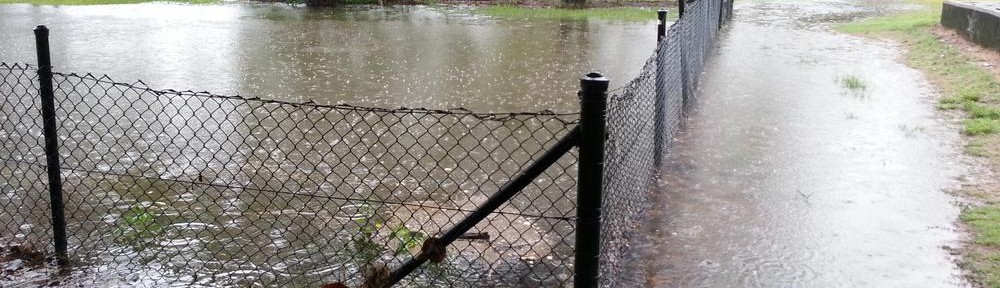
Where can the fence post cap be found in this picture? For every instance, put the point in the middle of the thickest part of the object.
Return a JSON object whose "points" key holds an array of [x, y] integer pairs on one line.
{"points": [[661, 14], [41, 28], [594, 81]]}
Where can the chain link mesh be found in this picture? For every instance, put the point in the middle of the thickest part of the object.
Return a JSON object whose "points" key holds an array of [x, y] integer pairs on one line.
{"points": [[25, 219], [643, 117], [177, 187]]}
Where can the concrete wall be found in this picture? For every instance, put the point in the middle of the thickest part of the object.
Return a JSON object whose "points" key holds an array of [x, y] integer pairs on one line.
{"points": [[979, 22]]}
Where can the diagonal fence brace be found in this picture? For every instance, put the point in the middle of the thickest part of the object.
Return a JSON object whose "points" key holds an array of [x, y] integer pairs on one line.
{"points": [[434, 248]]}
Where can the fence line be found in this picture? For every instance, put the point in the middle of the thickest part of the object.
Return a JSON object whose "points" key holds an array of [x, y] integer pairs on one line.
{"points": [[165, 187]]}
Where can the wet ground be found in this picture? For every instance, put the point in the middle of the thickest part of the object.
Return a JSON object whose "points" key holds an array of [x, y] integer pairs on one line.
{"points": [[814, 159]]}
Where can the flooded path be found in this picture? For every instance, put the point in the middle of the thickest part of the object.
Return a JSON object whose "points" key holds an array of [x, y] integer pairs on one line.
{"points": [[787, 177]]}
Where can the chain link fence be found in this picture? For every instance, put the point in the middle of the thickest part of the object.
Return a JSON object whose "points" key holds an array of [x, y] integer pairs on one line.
{"points": [[24, 200], [643, 117], [170, 187], [183, 188]]}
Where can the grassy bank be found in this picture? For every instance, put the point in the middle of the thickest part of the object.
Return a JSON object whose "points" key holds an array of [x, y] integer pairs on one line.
{"points": [[99, 2], [965, 86], [546, 13]]}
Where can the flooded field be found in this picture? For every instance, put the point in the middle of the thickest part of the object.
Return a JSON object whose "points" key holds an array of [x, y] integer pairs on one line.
{"points": [[814, 159], [413, 56]]}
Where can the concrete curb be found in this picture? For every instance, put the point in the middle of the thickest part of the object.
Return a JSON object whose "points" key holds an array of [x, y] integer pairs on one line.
{"points": [[977, 21]]}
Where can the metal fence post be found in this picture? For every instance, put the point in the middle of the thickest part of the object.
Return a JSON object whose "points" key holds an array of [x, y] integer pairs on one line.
{"points": [[51, 142], [680, 8], [661, 29], [685, 31], [590, 184], [660, 112], [722, 13]]}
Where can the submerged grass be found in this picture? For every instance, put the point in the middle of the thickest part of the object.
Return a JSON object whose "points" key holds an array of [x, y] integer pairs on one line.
{"points": [[964, 86], [617, 13], [853, 83], [960, 80], [99, 2]]}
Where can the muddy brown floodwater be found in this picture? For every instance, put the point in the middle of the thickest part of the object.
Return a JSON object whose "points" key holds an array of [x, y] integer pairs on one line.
{"points": [[785, 177]]}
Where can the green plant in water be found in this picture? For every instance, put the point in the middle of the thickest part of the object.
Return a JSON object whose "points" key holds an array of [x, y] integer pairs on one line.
{"points": [[364, 240], [408, 239], [369, 225], [137, 225], [852, 82]]}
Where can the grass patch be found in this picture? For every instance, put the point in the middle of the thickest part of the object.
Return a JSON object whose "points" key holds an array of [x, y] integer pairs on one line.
{"points": [[852, 82], [979, 111], [99, 2], [892, 23], [981, 126], [989, 264], [985, 221], [985, 224], [618, 13]]}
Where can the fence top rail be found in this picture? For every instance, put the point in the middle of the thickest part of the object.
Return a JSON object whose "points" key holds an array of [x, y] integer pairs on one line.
{"points": [[16, 66], [458, 111]]}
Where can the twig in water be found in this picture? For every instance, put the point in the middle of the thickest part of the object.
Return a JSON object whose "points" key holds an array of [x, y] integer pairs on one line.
{"points": [[804, 196]]}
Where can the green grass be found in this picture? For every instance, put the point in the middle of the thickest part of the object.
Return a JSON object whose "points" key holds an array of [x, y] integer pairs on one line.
{"points": [[853, 83], [899, 22], [985, 224], [985, 221], [99, 2], [980, 126], [979, 111], [988, 265], [619, 13]]}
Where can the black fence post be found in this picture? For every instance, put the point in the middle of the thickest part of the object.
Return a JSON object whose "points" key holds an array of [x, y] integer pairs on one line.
{"points": [[680, 8], [590, 184], [661, 95], [684, 42], [51, 142], [722, 13], [661, 29], [729, 7]]}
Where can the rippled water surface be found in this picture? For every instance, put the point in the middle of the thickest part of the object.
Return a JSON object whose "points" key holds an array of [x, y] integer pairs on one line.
{"points": [[412, 56], [787, 178]]}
